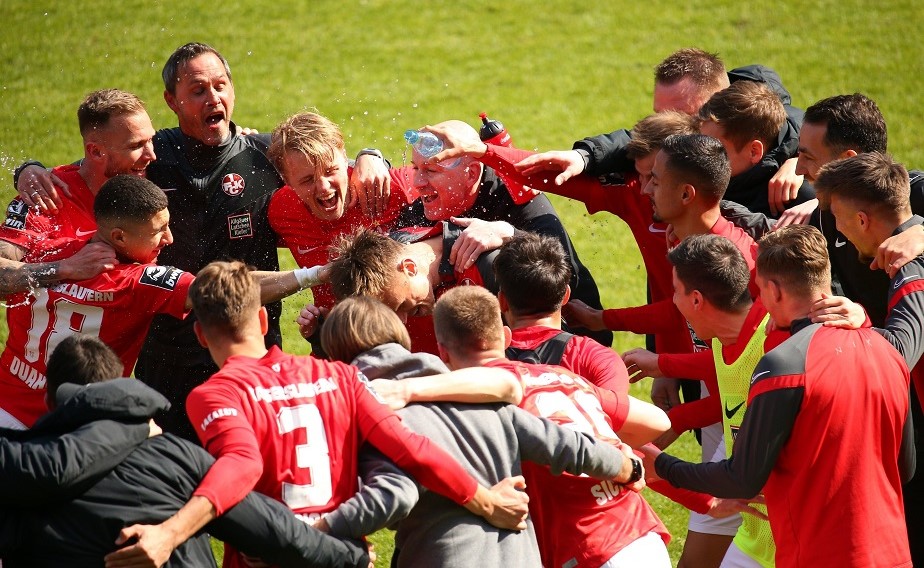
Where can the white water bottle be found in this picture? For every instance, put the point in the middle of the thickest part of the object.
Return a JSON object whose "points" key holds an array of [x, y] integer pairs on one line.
{"points": [[427, 144]]}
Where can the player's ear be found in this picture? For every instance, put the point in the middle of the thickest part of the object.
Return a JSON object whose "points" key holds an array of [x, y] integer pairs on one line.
{"points": [[408, 266], [502, 300], [200, 336], [756, 151], [170, 99], [93, 150], [846, 154], [508, 337], [117, 235], [264, 320], [688, 194], [567, 295], [863, 219], [443, 352], [697, 298]]}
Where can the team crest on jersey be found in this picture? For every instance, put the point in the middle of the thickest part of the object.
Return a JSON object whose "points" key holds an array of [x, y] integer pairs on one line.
{"points": [[16, 214], [240, 226], [164, 277], [233, 184]]}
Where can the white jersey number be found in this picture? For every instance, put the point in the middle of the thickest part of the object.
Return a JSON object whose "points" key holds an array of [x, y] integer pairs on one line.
{"points": [[66, 319], [582, 409], [312, 455]]}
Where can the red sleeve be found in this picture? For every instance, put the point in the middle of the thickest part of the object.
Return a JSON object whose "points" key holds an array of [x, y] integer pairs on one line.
{"points": [[696, 414], [501, 160], [692, 500], [658, 317], [699, 365], [231, 439], [614, 405], [163, 289], [430, 465], [582, 188], [597, 363]]}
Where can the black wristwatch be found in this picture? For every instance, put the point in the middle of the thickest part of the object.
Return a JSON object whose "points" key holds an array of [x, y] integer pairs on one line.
{"points": [[636, 471], [370, 152]]}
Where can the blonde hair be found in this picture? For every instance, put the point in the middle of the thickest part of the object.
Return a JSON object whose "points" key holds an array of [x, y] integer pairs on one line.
{"points": [[225, 297], [313, 136], [365, 263], [468, 318], [358, 324]]}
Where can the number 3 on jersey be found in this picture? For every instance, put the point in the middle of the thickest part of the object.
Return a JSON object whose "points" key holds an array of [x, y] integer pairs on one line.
{"points": [[313, 456]]}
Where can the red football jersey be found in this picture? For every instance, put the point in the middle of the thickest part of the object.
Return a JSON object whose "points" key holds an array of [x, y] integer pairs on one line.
{"points": [[117, 306], [30, 228], [578, 518], [309, 238], [296, 423]]}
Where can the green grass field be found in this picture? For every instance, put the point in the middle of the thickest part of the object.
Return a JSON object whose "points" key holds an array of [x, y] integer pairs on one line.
{"points": [[552, 71]]}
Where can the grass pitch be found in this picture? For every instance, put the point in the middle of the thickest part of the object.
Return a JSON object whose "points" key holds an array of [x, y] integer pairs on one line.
{"points": [[551, 71]]}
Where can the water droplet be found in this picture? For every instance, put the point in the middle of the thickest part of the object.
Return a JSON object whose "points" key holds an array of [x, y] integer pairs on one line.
{"points": [[414, 105]]}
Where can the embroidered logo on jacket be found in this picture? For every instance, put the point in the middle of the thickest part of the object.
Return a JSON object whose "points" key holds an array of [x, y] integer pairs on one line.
{"points": [[240, 226], [233, 184]]}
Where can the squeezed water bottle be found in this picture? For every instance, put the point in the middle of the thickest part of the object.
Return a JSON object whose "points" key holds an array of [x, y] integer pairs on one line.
{"points": [[427, 144]]}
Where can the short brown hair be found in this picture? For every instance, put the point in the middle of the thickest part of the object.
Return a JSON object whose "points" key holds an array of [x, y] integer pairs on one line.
{"points": [[364, 264], [533, 273], [309, 134], [852, 122], [649, 133], [225, 297], [747, 110], [358, 324], [714, 266], [796, 256], [704, 69], [872, 179], [467, 319], [99, 106]]}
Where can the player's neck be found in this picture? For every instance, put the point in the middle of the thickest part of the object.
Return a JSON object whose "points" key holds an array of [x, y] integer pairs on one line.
{"points": [[887, 227], [251, 347], [798, 307], [552, 320], [93, 179], [729, 325], [696, 223], [475, 359]]}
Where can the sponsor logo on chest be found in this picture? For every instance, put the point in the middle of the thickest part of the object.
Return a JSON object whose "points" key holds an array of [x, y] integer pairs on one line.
{"points": [[240, 226], [233, 184]]}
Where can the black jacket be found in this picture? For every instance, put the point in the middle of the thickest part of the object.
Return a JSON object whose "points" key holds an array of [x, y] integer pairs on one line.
{"points": [[607, 152], [148, 486]]}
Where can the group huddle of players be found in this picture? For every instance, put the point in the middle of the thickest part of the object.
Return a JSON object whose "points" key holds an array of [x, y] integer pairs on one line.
{"points": [[783, 256]]}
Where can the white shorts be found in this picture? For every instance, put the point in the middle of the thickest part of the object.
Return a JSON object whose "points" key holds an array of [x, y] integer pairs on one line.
{"points": [[648, 551], [735, 558], [10, 422], [713, 451]]}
